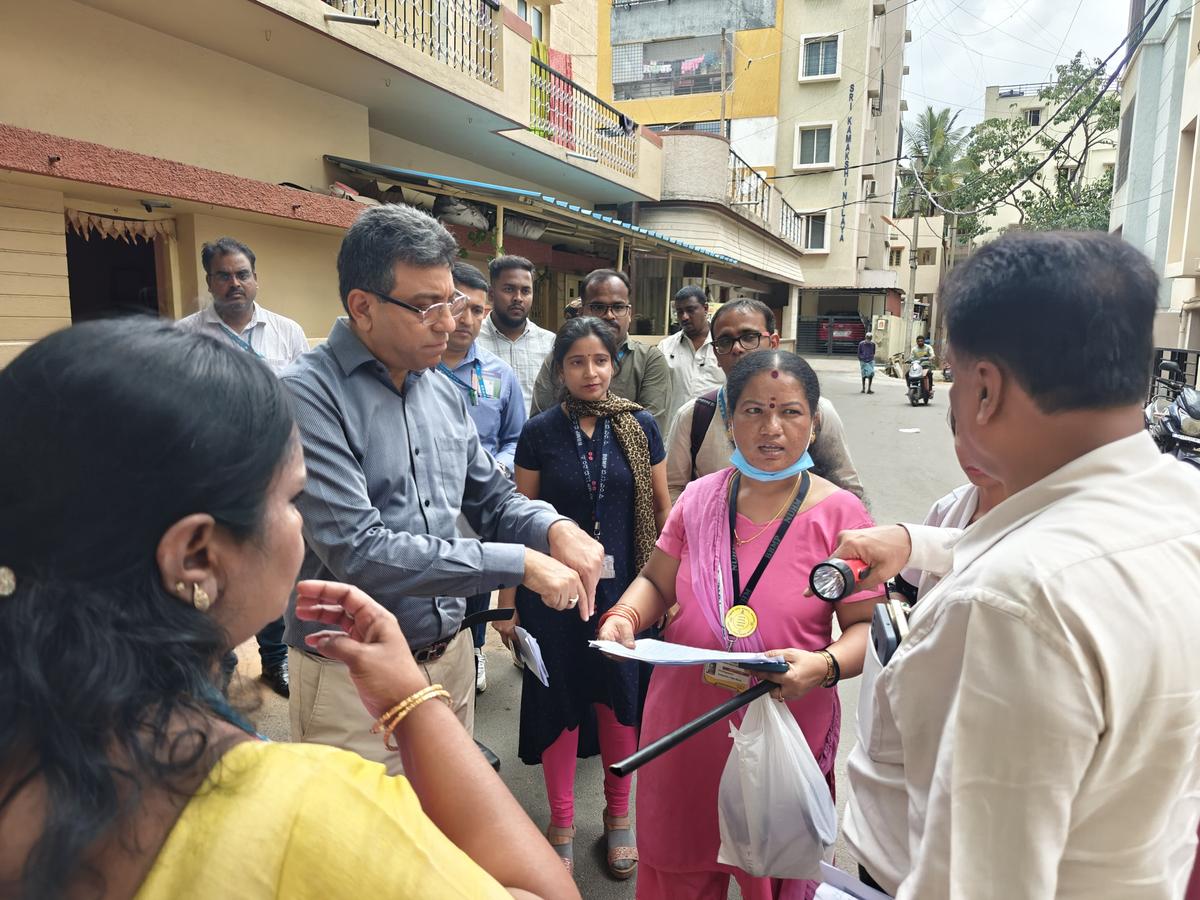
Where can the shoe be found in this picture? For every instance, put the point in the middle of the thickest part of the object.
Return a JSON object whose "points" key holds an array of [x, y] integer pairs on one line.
{"points": [[492, 759], [276, 678], [870, 392], [480, 671], [563, 842], [622, 848]]}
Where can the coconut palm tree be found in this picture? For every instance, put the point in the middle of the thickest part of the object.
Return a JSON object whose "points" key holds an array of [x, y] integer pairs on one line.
{"points": [[937, 150]]}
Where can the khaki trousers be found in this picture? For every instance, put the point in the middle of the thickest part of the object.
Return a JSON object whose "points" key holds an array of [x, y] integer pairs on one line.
{"points": [[325, 707]]}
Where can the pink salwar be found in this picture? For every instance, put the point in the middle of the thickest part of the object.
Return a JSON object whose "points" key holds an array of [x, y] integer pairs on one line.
{"points": [[617, 741]]}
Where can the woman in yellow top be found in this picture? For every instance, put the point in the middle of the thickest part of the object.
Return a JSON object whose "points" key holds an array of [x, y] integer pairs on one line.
{"points": [[147, 525]]}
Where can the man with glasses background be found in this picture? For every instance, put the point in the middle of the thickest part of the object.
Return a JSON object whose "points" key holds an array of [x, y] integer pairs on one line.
{"points": [[643, 376], [699, 441], [236, 317], [689, 351], [393, 458], [509, 332]]}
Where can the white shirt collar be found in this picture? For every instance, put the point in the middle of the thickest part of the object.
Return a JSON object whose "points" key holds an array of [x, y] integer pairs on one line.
{"points": [[209, 316]]}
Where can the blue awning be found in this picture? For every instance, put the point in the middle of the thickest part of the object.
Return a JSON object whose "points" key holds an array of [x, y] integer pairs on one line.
{"points": [[528, 197]]}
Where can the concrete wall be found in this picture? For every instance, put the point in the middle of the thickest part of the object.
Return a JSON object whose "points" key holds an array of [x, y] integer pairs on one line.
{"points": [[754, 140], [34, 295], [657, 21], [104, 79], [758, 254], [573, 25]]}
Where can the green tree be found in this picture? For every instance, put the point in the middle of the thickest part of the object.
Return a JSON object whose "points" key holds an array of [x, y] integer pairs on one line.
{"points": [[1005, 151], [937, 150]]}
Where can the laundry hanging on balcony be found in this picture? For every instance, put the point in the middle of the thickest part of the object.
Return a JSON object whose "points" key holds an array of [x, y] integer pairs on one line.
{"points": [[128, 230], [562, 103], [539, 91], [690, 66]]}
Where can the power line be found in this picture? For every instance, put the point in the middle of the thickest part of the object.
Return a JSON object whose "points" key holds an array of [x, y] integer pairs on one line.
{"points": [[865, 165]]}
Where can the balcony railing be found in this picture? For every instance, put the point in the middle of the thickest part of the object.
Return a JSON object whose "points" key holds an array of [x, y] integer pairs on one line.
{"points": [[791, 223], [565, 113], [462, 34], [749, 192]]}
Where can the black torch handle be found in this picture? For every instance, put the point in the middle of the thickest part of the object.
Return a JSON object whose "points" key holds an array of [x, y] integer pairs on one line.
{"points": [[683, 732]]}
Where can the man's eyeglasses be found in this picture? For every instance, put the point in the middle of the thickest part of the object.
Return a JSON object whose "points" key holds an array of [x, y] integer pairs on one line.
{"points": [[456, 306], [620, 310], [749, 340], [242, 275]]}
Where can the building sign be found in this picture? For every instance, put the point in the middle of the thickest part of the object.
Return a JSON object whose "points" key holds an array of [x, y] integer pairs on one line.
{"points": [[846, 165]]}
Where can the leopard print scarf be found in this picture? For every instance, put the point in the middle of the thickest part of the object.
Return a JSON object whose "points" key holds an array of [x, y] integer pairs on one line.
{"points": [[636, 447]]}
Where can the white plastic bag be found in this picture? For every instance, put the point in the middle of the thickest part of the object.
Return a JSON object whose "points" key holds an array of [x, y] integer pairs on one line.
{"points": [[776, 815]]}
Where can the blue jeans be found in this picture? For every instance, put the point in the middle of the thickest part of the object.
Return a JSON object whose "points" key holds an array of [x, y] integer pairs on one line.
{"points": [[475, 604], [271, 649]]}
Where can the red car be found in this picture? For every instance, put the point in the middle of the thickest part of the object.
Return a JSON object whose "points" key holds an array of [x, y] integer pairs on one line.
{"points": [[844, 329]]}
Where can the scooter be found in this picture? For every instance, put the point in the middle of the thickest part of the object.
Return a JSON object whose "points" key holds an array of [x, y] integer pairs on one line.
{"points": [[918, 390], [1180, 427]]}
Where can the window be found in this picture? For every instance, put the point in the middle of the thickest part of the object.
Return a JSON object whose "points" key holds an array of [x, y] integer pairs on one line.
{"points": [[896, 258], [927, 257], [534, 16], [814, 232], [710, 127], [868, 188], [1067, 175], [814, 145], [821, 57], [1033, 117], [670, 68], [1123, 142]]}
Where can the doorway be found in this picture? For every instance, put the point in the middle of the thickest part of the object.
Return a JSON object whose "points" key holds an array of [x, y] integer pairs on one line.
{"points": [[110, 276]]}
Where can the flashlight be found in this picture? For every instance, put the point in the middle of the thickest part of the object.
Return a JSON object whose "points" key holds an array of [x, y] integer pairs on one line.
{"points": [[835, 579]]}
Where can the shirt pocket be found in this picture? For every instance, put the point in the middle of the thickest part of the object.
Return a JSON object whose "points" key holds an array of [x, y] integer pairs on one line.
{"points": [[452, 465], [876, 726]]}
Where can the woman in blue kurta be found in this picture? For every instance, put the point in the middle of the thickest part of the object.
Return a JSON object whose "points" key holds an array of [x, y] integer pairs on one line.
{"points": [[591, 703]]}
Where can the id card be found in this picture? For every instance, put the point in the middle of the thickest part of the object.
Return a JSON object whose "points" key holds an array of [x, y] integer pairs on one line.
{"points": [[727, 676], [608, 568]]}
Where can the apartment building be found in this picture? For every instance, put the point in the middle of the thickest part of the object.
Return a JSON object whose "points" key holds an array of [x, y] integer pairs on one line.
{"points": [[836, 145], [1148, 145], [133, 131], [1023, 101], [931, 260], [704, 76]]}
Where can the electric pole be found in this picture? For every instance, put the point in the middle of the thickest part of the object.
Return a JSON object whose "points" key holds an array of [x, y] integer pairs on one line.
{"points": [[724, 131], [911, 299]]}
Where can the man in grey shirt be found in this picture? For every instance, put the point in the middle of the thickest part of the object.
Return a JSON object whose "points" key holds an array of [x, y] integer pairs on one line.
{"points": [[393, 458]]}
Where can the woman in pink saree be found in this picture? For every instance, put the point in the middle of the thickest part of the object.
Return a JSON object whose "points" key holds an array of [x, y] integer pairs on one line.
{"points": [[780, 520]]}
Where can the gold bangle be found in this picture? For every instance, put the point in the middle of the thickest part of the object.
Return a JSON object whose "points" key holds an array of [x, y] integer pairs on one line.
{"points": [[390, 720], [826, 681]]}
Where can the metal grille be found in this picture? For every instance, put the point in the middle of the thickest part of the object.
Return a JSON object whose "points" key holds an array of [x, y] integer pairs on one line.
{"points": [[575, 118], [460, 33], [791, 223], [749, 192], [1189, 365], [626, 63]]}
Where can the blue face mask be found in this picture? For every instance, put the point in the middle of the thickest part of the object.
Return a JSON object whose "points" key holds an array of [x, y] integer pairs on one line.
{"points": [[742, 465]]}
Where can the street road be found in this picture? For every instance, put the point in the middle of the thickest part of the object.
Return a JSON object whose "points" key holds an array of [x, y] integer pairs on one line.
{"points": [[903, 474]]}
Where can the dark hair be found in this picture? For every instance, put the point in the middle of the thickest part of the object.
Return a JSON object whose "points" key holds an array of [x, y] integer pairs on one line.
{"points": [[223, 246], [114, 430], [1089, 284], [382, 236], [467, 275], [770, 360], [745, 304], [599, 276], [692, 292], [503, 263], [580, 327]]}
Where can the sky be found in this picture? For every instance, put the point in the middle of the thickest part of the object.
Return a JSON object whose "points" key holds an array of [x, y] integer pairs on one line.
{"points": [[961, 46]]}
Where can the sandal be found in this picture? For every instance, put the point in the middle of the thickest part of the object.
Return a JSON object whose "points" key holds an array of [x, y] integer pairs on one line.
{"points": [[563, 842], [622, 849]]}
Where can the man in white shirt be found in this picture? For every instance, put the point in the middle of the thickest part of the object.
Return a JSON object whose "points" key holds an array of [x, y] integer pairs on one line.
{"points": [[509, 332], [689, 351], [236, 317], [1035, 733]]}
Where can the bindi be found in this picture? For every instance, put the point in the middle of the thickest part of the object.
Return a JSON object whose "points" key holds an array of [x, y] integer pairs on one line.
{"points": [[772, 403], [774, 373]]}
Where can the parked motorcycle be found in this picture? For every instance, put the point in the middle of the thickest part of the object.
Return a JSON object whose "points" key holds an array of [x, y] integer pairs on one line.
{"points": [[1173, 416], [918, 387]]}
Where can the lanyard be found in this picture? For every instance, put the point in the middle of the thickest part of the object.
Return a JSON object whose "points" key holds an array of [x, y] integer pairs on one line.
{"points": [[477, 375], [595, 487], [240, 341], [741, 597], [724, 413]]}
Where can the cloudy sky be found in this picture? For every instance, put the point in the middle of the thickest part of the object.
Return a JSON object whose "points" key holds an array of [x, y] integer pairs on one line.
{"points": [[961, 46]]}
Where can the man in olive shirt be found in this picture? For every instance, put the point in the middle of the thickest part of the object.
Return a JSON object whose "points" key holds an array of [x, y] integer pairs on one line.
{"points": [[644, 376]]}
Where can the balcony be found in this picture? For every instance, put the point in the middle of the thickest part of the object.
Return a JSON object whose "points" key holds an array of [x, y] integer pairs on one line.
{"points": [[576, 119], [749, 193], [462, 34]]}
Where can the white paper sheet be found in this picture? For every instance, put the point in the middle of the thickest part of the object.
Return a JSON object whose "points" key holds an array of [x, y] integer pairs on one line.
{"points": [[837, 885], [531, 655], [663, 653]]}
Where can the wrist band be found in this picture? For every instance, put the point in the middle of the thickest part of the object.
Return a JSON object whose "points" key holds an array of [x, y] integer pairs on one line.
{"points": [[390, 720]]}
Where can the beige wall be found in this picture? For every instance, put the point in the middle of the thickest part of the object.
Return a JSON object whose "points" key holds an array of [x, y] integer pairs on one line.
{"points": [[34, 298], [297, 270], [573, 31], [101, 78], [722, 234]]}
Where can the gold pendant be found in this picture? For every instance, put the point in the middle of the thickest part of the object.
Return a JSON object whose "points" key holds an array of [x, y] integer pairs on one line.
{"points": [[741, 621]]}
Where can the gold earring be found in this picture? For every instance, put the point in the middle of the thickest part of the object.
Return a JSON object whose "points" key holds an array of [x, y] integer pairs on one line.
{"points": [[181, 588], [200, 598]]}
